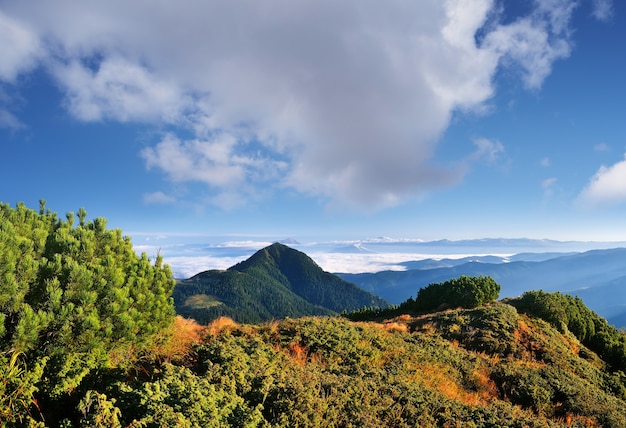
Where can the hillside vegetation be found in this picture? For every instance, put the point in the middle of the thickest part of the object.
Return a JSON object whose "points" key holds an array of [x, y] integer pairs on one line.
{"points": [[89, 338]]}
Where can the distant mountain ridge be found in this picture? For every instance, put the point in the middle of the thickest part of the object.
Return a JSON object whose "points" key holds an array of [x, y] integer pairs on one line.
{"points": [[597, 276], [275, 282]]}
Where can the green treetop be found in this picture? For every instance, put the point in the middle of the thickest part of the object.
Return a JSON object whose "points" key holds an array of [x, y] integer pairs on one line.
{"points": [[75, 297]]}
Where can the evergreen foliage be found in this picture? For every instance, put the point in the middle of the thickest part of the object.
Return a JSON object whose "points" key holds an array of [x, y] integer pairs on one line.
{"points": [[72, 299], [464, 292], [566, 312]]}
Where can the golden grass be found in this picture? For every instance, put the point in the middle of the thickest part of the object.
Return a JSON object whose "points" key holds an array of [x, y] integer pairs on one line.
{"points": [[524, 334], [221, 324], [178, 339], [174, 343], [396, 327], [298, 353]]}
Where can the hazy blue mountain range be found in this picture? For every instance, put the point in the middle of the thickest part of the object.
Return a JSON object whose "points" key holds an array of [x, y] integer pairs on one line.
{"points": [[597, 276], [357, 256], [275, 282], [521, 246]]}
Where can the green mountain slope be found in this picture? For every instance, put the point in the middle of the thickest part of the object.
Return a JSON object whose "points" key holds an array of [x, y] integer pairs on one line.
{"points": [[275, 282]]}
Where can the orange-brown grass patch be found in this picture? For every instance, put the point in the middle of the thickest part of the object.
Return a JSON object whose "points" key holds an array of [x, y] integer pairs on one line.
{"points": [[187, 332], [220, 325], [173, 343], [522, 330], [486, 388], [573, 344], [123, 354], [390, 326], [427, 327], [177, 341], [396, 327], [298, 353], [402, 318], [524, 334], [531, 364], [436, 376], [577, 420]]}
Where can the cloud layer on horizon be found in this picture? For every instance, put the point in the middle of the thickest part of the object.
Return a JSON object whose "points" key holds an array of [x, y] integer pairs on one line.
{"points": [[343, 100]]}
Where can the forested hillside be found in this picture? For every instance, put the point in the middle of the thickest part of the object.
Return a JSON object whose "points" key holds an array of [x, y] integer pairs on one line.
{"points": [[89, 338], [274, 283]]}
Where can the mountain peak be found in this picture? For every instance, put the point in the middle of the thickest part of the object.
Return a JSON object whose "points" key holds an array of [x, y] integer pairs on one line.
{"points": [[278, 281], [277, 255]]}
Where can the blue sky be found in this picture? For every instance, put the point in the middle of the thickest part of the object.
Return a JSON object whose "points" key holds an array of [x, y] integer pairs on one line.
{"points": [[318, 120]]}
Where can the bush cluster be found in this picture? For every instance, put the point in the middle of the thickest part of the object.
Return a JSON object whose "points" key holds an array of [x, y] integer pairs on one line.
{"points": [[74, 299], [569, 313], [464, 292]]}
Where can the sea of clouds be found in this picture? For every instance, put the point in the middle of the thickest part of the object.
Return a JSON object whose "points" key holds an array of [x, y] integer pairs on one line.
{"points": [[357, 256]]}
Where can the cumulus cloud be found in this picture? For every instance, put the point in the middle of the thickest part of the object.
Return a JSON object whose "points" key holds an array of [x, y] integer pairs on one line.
{"points": [[344, 100], [534, 42], [217, 162], [20, 47], [118, 90], [606, 187], [20, 52]]}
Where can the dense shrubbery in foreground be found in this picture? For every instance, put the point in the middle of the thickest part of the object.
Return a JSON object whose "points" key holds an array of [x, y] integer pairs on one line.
{"points": [[75, 302], [472, 368], [89, 339]]}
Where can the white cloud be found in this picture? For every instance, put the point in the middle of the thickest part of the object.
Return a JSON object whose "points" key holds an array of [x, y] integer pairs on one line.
{"points": [[601, 147], [545, 162], [20, 48], [602, 9], [9, 120], [535, 42], [345, 100], [195, 160], [548, 186], [158, 198], [217, 161], [255, 245], [188, 266], [119, 90], [488, 150], [19, 53], [606, 187]]}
